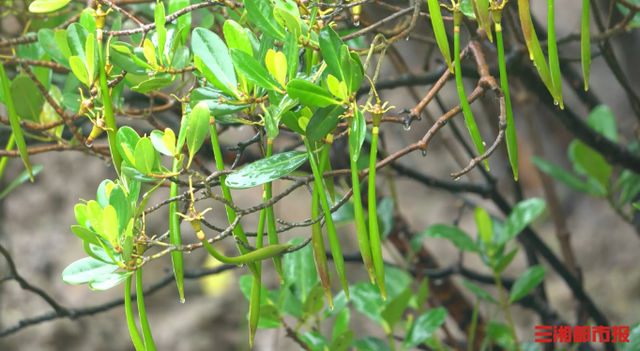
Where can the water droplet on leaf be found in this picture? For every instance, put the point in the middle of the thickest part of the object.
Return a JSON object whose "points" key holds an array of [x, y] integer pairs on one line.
{"points": [[555, 102]]}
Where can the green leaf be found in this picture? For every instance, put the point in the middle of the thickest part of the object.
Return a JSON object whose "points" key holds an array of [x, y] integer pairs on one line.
{"points": [[27, 99], [217, 107], [342, 342], [197, 128], [127, 139], [80, 70], [424, 327], [60, 37], [505, 261], [276, 63], [593, 163], [252, 70], [526, 282], [323, 122], [520, 217], [21, 178], [15, 121], [454, 234], [88, 21], [300, 270], [46, 38], [440, 31], [466, 7], [601, 119], [562, 175], [269, 317], [108, 281], [131, 172], [484, 224], [110, 224], [357, 135], [287, 20], [315, 341], [87, 235], [290, 120], [290, 50], [371, 344], [158, 143], [149, 52], [392, 312], [314, 301], [260, 12], [120, 54], [482, 6], [101, 194], [76, 39], [118, 199], [310, 94], [501, 334], [423, 294], [145, 156], [353, 75], [385, 216], [90, 51], [214, 55], [478, 291], [94, 210], [341, 324], [236, 37], [82, 217], [44, 6], [330, 47], [49, 114], [85, 269], [161, 31], [184, 21], [245, 282]]}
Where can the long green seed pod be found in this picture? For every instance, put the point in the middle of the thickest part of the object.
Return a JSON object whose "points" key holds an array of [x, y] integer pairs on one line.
{"points": [[361, 228], [149, 345], [264, 253], [131, 323], [175, 237], [585, 44], [512, 142], [317, 242], [271, 220], [338, 260], [554, 60], [109, 118], [466, 109], [439, 30], [238, 232], [256, 284], [374, 232], [4, 160]]}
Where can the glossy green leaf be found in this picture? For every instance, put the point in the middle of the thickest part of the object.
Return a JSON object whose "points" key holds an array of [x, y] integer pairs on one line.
{"points": [[131, 172], [158, 143], [101, 194], [90, 51], [585, 44], [197, 128], [49, 114], [145, 156], [520, 217], [601, 119], [266, 170], [315, 341], [94, 210], [501, 334], [371, 344], [155, 83], [314, 301], [161, 30], [127, 139], [119, 201], [85, 269], [331, 46], [120, 54], [357, 135], [269, 317], [342, 342], [215, 56], [110, 224], [149, 52], [108, 281], [27, 99], [351, 70], [46, 38], [290, 50], [323, 122], [454, 234], [88, 21], [236, 37], [310, 94], [392, 312], [299, 270], [60, 37], [466, 6], [276, 64], [76, 39], [385, 213], [261, 13], [290, 120], [554, 59], [217, 107], [593, 163], [478, 291], [560, 174], [440, 31], [505, 261], [80, 70], [184, 21], [484, 224], [526, 282], [341, 324], [252, 70], [424, 327], [482, 6], [44, 6], [21, 178]]}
